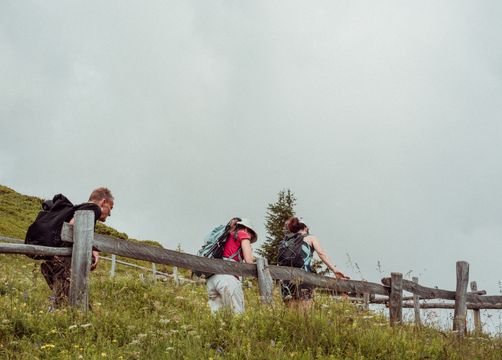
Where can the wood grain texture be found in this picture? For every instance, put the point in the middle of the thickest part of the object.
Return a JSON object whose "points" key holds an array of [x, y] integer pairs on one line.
{"points": [[416, 306], [34, 250], [81, 259], [265, 281], [460, 310], [396, 299], [158, 255], [475, 312]]}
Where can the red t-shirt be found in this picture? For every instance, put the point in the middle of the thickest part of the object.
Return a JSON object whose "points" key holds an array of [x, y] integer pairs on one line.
{"points": [[233, 245]]}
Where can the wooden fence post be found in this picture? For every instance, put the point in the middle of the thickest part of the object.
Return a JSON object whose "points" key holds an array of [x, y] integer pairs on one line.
{"points": [[114, 263], [477, 315], [366, 301], [265, 281], [416, 305], [396, 299], [154, 271], [460, 311], [83, 236], [176, 277]]}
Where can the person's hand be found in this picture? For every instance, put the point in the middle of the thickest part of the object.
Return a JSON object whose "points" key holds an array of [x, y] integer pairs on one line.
{"points": [[95, 259], [340, 275]]}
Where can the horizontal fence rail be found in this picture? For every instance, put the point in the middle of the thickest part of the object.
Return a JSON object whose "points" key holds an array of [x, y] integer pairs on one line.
{"points": [[431, 293], [34, 250], [159, 255], [11, 240]]}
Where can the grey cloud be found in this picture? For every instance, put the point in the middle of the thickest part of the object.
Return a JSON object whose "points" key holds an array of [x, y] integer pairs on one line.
{"points": [[382, 118]]}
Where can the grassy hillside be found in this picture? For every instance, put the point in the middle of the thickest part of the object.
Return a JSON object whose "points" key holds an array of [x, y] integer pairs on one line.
{"points": [[137, 317], [18, 211]]}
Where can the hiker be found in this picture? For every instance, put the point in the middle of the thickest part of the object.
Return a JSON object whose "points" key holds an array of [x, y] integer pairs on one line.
{"points": [[57, 269], [226, 290], [297, 250]]}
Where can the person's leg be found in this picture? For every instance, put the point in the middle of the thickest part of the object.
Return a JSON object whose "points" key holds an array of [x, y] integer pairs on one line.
{"points": [[231, 290], [61, 279], [306, 298], [214, 298], [47, 270]]}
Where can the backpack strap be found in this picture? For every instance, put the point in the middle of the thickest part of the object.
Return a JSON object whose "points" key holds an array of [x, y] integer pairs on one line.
{"points": [[238, 252]]}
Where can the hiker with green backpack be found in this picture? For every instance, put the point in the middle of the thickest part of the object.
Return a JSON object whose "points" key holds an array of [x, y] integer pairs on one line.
{"points": [[297, 250], [46, 231], [231, 242]]}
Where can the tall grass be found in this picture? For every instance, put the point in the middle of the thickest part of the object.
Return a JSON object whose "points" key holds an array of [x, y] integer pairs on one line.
{"points": [[150, 319]]}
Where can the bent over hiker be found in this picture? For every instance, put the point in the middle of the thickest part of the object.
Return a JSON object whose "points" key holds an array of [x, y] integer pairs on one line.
{"points": [[46, 230], [297, 250], [226, 290]]}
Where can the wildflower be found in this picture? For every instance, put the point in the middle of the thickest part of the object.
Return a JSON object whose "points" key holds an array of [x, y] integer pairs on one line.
{"points": [[114, 341], [103, 354], [164, 321], [47, 346]]}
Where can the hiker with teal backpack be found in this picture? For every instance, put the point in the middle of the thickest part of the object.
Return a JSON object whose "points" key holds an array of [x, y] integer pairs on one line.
{"points": [[297, 250], [231, 243]]}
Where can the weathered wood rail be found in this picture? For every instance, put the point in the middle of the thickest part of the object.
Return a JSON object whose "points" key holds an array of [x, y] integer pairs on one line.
{"points": [[84, 240]]}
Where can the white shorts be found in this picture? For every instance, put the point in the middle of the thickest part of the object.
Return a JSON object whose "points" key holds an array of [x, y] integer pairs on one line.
{"points": [[225, 290]]}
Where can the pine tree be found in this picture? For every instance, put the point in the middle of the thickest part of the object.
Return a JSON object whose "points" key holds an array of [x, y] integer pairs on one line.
{"points": [[277, 214]]}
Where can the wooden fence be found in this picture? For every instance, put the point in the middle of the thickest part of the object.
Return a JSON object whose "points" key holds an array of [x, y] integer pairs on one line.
{"points": [[84, 240]]}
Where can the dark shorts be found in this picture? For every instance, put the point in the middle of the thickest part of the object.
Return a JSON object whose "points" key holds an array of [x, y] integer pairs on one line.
{"points": [[293, 291]]}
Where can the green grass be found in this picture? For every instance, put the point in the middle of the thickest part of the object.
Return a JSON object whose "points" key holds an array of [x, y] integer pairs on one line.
{"points": [[137, 317], [146, 319]]}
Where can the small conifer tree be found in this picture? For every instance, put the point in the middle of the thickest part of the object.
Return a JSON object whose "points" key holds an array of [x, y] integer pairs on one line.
{"points": [[277, 214]]}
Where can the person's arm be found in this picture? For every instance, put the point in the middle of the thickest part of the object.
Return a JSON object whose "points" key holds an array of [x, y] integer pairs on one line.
{"points": [[325, 259], [95, 253], [247, 251]]}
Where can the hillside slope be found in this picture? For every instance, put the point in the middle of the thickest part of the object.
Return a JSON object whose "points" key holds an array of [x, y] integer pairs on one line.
{"points": [[18, 211]]}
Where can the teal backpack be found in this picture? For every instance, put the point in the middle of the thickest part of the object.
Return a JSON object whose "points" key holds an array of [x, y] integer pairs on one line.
{"points": [[214, 243]]}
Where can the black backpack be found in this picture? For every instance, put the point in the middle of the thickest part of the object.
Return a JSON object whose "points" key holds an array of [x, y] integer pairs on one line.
{"points": [[294, 252], [46, 229]]}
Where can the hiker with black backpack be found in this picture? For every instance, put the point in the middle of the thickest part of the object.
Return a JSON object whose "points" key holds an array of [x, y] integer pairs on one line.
{"points": [[232, 243], [46, 231], [297, 250]]}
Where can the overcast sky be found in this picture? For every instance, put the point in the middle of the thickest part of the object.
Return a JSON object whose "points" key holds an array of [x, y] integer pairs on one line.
{"points": [[383, 119]]}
